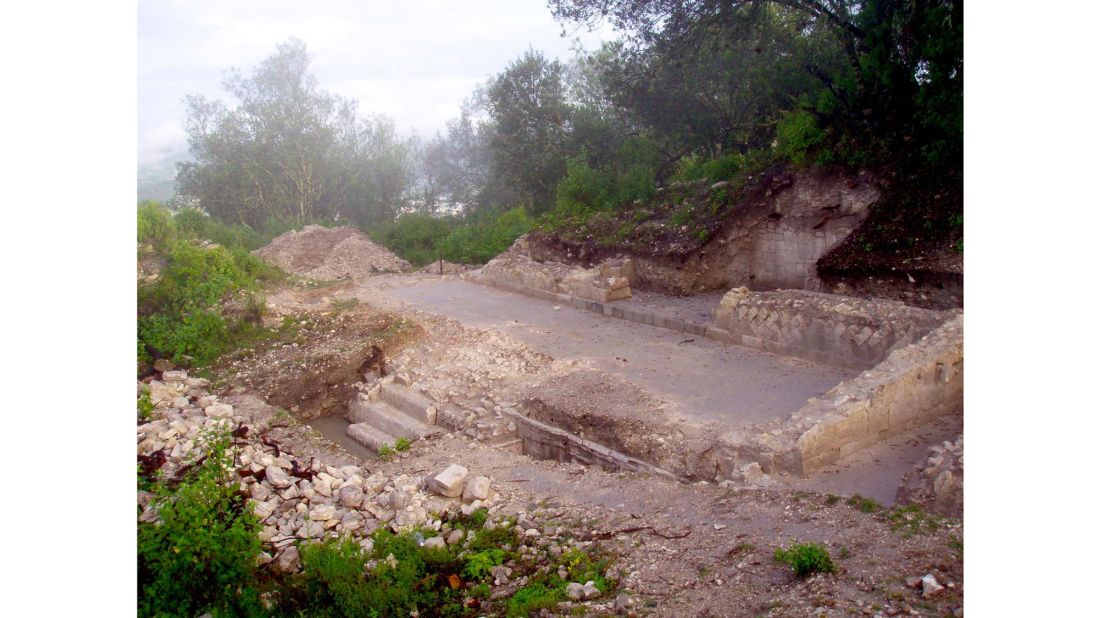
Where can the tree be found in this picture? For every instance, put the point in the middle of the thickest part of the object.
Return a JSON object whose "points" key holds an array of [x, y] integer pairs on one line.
{"points": [[897, 91], [531, 115], [290, 150]]}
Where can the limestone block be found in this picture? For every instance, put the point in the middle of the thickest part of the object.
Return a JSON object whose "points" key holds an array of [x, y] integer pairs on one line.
{"points": [[449, 482]]}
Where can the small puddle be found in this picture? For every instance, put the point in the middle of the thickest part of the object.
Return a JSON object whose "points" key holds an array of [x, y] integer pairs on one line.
{"points": [[334, 428]]}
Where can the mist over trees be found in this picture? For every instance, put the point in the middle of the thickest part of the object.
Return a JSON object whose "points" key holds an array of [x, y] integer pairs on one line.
{"points": [[292, 151], [695, 88]]}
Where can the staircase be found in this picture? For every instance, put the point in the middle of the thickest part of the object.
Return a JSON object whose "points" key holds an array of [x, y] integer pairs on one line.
{"points": [[398, 412]]}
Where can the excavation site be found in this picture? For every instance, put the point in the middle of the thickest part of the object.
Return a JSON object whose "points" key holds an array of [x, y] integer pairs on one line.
{"points": [[500, 309]]}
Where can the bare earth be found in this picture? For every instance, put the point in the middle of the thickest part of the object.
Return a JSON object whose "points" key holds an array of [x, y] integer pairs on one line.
{"points": [[683, 549]]}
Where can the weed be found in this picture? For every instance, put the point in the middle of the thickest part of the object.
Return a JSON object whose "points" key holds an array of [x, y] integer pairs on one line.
{"points": [[832, 499], [865, 505], [145, 404], [533, 597], [912, 519], [386, 451], [806, 559], [744, 547], [479, 564], [956, 544], [844, 553], [402, 444], [343, 304]]}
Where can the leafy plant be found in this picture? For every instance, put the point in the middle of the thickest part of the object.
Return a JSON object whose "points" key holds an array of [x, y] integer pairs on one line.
{"points": [[386, 451], [402, 444], [479, 564], [806, 559], [145, 403], [202, 554]]}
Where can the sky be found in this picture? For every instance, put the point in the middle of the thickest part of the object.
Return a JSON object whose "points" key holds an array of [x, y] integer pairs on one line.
{"points": [[412, 60]]}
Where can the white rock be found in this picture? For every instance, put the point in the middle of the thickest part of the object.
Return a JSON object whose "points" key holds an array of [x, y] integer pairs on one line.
{"points": [[575, 591], [477, 488], [278, 477], [289, 560], [931, 586], [351, 496], [174, 376], [219, 410], [263, 510], [323, 512], [449, 482], [435, 542]]}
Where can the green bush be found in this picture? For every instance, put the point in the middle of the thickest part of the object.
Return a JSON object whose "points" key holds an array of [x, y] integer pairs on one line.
{"points": [[799, 136], [693, 168], [583, 188], [485, 236], [154, 224], [178, 312], [806, 559], [414, 237], [202, 555]]}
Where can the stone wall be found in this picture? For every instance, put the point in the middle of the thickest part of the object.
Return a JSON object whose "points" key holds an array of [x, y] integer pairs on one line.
{"points": [[516, 270], [913, 385], [808, 219], [834, 330]]}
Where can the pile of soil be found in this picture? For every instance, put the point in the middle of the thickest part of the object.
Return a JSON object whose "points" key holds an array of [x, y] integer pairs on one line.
{"points": [[330, 253]]}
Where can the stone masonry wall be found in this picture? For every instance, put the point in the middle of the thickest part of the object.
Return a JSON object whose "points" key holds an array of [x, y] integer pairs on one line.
{"points": [[516, 270], [840, 331], [808, 219], [914, 385]]}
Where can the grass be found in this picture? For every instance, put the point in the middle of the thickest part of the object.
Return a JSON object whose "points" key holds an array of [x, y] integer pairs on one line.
{"points": [[911, 520], [386, 451], [402, 444], [340, 305], [864, 505], [806, 559]]}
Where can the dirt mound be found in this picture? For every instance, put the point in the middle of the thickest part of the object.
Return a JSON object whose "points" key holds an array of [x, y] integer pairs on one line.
{"points": [[330, 253]]}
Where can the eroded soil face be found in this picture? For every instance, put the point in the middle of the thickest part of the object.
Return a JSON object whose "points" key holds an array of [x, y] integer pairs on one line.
{"points": [[323, 353]]}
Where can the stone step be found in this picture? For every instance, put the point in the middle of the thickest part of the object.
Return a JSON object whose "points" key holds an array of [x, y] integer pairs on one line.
{"points": [[369, 436], [385, 417], [410, 402]]}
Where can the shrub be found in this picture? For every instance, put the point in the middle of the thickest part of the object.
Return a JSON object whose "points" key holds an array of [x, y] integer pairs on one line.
{"points": [[484, 236], [806, 559], [798, 135], [414, 237], [203, 553], [583, 188], [154, 224], [178, 313]]}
